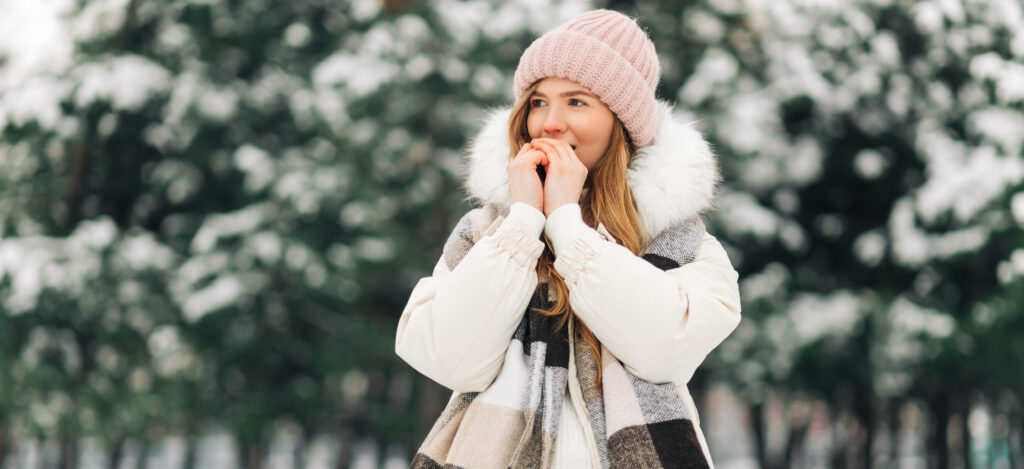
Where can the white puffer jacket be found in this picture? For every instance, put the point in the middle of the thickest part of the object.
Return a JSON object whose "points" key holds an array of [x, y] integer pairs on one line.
{"points": [[458, 323]]}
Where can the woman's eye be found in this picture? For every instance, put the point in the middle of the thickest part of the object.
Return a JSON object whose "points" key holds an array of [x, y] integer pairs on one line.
{"points": [[578, 101], [536, 102]]}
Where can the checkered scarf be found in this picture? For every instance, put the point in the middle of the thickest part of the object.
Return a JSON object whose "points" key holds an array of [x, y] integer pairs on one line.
{"points": [[514, 422]]}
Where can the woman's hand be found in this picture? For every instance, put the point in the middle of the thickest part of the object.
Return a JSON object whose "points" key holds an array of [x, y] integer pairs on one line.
{"points": [[565, 174], [524, 184]]}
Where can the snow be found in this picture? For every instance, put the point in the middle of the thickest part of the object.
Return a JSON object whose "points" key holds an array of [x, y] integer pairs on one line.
{"points": [[454, 69], [297, 35], [34, 39], [364, 10], [142, 251], [870, 247], [742, 214], [703, 25], [870, 164], [218, 104], [181, 178], [713, 69], [1017, 208], [35, 49], [127, 81], [374, 249], [170, 354], [217, 448], [963, 181], [1008, 76], [756, 116], [814, 316], [1011, 268], [225, 291], [37, 100], [488, 81], [267, 245], [1002, 126], [355, 213], [257, 165], [927, 17], [913, 247], [908, 318], [297, 256], [217, 226], [885, 49], [195, 270], [763, 285], [358, 74], [1017, 261], [99, 18], [804, 164]]}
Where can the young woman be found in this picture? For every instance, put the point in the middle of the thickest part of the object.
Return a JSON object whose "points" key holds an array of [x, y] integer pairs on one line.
{"points": [[571, 308]]}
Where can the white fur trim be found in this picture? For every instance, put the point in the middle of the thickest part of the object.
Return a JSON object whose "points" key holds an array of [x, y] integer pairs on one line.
{"points": [[672, 179]]}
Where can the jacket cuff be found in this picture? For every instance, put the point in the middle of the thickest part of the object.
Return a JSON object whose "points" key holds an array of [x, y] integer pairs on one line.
{"points": [[527, 217], [563, 226], [519, 244], [573, 260]]}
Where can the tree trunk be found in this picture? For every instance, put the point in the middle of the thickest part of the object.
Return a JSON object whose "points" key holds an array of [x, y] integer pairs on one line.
{"points": [[965, 432], [140, 462], [191, 442], [840, 452], [797, 434], [115, 452], [895, 431], [1019, 456], [301, 448], [252, 456], [938, 446], [757, 422], [5, 445], [866, 415], [68, 454], [344, 450]]}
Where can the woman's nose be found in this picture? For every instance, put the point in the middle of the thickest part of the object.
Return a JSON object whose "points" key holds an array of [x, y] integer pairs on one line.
{"points": [[554, 123]]}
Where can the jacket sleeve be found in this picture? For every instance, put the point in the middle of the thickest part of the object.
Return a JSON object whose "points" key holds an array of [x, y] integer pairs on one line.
{"points": [[459, 322], [660, 323]]}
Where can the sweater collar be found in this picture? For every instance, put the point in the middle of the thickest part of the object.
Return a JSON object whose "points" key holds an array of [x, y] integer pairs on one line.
{"points": [[672, 179]]}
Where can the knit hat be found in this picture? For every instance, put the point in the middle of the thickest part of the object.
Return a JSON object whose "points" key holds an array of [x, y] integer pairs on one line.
{"points": [[606, 52]]}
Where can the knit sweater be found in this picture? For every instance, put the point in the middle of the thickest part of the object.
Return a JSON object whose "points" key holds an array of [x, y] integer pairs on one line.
{"points": [[571, 447]]}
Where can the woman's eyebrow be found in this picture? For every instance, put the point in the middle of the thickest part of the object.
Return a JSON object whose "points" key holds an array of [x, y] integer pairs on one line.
{"points": [[567, 94]]}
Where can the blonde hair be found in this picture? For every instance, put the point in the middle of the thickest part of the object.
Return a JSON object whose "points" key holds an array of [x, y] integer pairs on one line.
{"points": [[609, 201]]}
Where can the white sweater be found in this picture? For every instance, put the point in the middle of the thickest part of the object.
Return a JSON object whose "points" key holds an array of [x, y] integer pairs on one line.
{"points": [[570, 446]]}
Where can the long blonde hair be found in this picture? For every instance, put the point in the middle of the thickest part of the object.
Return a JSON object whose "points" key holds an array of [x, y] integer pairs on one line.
{"points": [[608, 201]]}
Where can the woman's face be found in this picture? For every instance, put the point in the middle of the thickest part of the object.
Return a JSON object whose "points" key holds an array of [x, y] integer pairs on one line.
{"points": [[562, 109]]}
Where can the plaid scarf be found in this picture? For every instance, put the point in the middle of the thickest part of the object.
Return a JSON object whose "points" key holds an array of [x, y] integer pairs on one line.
{"points": [[514, 422]]}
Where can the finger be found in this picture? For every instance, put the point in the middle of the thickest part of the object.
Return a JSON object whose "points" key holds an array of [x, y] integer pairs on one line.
{"points": [[567, 152], [557, 152], [532, 157], [525, 148], [564, 150]]}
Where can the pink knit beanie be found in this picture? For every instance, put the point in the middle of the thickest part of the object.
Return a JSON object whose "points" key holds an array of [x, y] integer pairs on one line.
{"points": [[606, 52]]}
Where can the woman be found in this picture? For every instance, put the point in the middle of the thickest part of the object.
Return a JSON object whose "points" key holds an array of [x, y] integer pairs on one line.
{"points": [[588, 229]]}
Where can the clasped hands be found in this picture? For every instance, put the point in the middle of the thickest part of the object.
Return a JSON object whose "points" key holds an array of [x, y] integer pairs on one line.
{"points": [[564, 175]]}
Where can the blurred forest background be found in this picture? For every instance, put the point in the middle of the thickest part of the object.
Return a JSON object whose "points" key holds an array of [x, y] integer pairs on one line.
{"points": [[212, 213]]}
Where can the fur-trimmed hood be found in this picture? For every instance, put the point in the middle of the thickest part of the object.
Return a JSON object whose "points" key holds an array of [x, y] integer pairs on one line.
{"points": [[672, 179]]}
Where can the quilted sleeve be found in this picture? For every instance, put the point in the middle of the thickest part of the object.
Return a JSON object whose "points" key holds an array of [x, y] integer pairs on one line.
{"points": [[459, 321], [660, 315]]}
